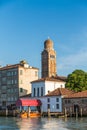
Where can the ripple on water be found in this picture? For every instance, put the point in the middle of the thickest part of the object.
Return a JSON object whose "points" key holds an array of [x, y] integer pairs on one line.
{"points": [[43, 124]]}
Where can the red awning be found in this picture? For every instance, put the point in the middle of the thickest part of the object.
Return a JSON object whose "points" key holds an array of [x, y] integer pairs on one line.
{"points": [[28, 102]]}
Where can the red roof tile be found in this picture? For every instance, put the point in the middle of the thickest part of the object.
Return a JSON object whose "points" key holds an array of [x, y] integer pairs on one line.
{"points": [[59, 92], [78, 94], [48, 79]]}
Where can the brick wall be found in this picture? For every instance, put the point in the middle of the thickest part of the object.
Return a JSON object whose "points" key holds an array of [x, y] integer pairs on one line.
{"points": [[70, 104]]}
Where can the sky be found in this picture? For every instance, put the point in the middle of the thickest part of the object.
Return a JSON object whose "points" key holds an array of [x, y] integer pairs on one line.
{"points": [[26, 24]]}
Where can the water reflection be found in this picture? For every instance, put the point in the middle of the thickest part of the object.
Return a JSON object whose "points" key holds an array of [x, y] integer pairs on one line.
{"points": [[43, 123]]}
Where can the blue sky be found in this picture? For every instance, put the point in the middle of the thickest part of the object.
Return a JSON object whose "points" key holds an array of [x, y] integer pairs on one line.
{"points": [[26, 24]]}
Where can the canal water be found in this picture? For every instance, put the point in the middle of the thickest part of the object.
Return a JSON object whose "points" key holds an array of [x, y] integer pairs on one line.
{"points": [[13, 123]]}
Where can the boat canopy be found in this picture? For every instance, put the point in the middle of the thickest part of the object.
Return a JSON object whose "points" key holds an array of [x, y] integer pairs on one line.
{"points": [[28, 102]]}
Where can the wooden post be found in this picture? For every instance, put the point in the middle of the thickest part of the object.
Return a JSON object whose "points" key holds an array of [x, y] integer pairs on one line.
{"points": [[76, 113], [14, 113], [28, 111], [6, 112], [41, 112], [81, 112], [65, 112], [70, 112], [49, 112]]}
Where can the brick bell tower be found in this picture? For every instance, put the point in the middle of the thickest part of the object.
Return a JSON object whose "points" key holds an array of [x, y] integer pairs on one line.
{"points": [[48, 59]]}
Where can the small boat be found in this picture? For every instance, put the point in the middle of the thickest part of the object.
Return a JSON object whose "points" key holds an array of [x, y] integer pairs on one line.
{"points": [[35, 114], [23, 115], [29, 107], [31, 114]]}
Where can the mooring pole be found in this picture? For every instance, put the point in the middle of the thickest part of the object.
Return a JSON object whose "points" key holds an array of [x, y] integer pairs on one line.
{"points": [[65, 112], [28, 111], [81, 112], [6, 112], [48, 112], [76, 113], [70, 112]]}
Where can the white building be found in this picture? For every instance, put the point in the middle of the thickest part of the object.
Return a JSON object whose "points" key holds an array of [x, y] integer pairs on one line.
{"points": [[49, 91], [53, 100], [43, 86]]}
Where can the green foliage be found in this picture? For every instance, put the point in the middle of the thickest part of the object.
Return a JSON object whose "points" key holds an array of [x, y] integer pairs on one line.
{"points": [[77, 81]]}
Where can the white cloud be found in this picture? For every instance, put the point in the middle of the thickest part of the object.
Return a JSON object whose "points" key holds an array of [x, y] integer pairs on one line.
{"points": [[71, 62], [74, 54]]}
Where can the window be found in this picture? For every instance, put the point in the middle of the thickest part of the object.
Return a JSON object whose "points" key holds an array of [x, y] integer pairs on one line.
{"points": [[15, 72], [3, 73], [12, 90], [41, 91], [21, 72], [48, 91], [9, 90], [21, 90], [69, 101], [3, 95], [4, 79], [21, 81], [12, 81], [3, 87], [15, 90], [8, 73], [84, 101], [34, 92], [15, 98], [9, 99], [48, 99], [3, 103], [9, 82], [57, 99], [48, 106], [15, 81], [57, 106], [37, 92], [12, 99]]}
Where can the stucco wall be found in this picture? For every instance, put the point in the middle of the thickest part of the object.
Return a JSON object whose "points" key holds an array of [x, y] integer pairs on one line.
{"points": [[47, 86], [52, 103]]}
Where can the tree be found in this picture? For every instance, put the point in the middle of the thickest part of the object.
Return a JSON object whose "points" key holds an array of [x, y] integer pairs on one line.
{"points": [[77, 81]]}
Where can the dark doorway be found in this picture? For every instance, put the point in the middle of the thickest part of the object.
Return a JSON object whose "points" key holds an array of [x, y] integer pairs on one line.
{"points": [[76, 108]]}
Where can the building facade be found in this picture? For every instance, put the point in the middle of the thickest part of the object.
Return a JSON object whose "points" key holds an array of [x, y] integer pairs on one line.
{"points": [[48, 60], [43, 86], [15, 82], [76, 102], [53, 101]]}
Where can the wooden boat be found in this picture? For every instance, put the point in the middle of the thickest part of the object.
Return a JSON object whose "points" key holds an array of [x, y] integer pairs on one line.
{"points": [[35, 114], [33, 107], [23, 115], [32, 114]]}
